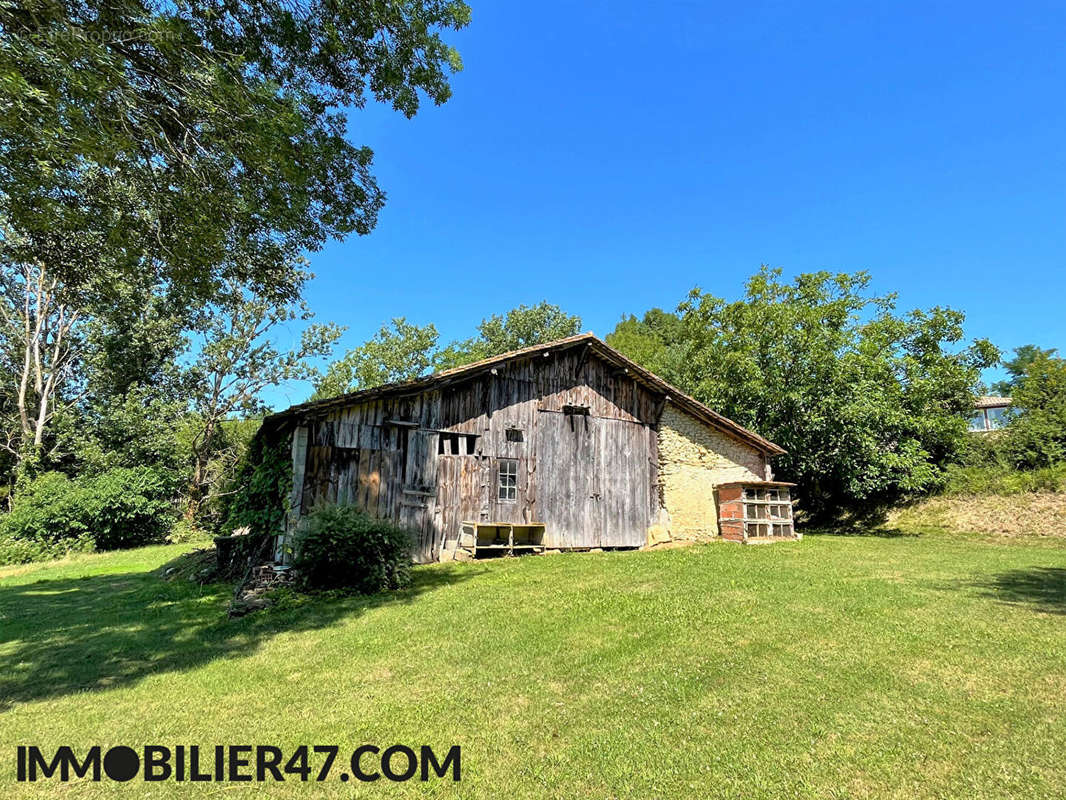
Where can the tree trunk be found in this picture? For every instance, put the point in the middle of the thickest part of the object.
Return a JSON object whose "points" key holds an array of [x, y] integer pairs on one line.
{"points": [[35, 312], [197, 491]]}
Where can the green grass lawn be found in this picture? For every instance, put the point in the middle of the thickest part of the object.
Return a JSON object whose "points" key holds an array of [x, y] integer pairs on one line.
{"points": [[836, 667]]}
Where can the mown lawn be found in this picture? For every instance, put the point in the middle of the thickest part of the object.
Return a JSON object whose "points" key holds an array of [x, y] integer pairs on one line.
{"points": [[836, 667]]}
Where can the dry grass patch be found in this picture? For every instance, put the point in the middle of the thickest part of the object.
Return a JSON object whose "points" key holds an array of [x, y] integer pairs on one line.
{"points": [[1019, 515]]}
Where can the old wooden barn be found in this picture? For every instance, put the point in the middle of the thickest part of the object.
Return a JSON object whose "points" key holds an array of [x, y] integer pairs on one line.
{"points": [[567, 445]]}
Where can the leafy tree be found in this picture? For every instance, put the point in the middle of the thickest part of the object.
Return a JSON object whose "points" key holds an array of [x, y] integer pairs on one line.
{"points": [[138, 427], [183, 149], [89, 369], [203, 141], [400, 351], [654, 341], [40, 337], [237, 360], [520, 327], [869, 404], [135, 407], [1018, 367], [1036, 436], [135, 337]]}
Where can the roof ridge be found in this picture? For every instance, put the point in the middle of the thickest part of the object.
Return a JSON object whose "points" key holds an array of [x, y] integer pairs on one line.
{"points": [[671, 392]]}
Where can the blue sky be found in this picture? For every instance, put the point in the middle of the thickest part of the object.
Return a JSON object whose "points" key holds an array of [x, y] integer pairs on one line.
{"points": [[608, 156]]}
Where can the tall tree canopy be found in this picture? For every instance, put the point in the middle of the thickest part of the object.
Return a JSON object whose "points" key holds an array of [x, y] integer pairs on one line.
{"points": [[520, 327], [653, 340], [869, 403], [1036, 436], [400, 351], [1018, 367], [203, 140]]}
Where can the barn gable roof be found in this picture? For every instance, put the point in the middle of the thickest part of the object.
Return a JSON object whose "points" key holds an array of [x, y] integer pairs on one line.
{"points": [[595, 346]]}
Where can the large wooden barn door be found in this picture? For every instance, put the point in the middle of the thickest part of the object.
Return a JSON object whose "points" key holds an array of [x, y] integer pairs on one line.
{"points": [[625, 500], [418, 503], [593, 481], [569, 479]]}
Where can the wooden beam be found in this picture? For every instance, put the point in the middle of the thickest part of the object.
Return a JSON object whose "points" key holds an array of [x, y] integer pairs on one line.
{"points": [[299, 466], [584, 357], [660, 408]]}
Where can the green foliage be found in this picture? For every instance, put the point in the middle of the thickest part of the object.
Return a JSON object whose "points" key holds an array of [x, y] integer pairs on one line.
{"points": [[1001, 479], [1018, 366], [400, 351], [983, 450], [25, 551], [206, 138], [227, 456], [258, 497], [237, 360], [1036, 436], [127, 506], [654, 341], [138, 427], [122, 507], [343, 547], [183, 532], [164, 167], [520, 327], [869, 404]]}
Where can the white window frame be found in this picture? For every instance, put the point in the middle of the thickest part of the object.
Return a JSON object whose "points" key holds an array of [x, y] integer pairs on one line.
{"points": [[507, 480]]}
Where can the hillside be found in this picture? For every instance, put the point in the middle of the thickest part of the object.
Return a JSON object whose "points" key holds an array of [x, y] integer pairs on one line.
{"points": [[1025, 515]]}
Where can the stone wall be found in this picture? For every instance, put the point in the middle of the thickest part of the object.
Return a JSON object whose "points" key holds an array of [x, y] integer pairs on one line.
{"points": [[694, 458]]}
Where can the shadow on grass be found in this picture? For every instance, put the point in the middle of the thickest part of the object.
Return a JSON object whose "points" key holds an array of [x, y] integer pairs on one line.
{"points": [[1043, 588], [879, 532], [98, 632], [870, 520]]}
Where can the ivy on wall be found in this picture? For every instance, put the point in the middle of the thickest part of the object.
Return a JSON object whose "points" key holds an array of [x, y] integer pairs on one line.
{"points": [[259, 497]]}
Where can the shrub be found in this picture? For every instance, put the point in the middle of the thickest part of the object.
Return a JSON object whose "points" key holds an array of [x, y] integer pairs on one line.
{"points": [[127, 507], [122, 507], [183, 532], [1004, 480], [23, 551], [984, 450], [343, 547]]}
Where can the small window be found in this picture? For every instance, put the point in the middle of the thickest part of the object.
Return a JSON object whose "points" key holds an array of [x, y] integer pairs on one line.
{"points": [[514, 435], [448, 444], [508, 480], [997, 418]]}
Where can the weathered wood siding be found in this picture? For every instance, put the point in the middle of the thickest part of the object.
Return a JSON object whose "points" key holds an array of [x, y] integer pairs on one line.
{"points": [[590, 479]]}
